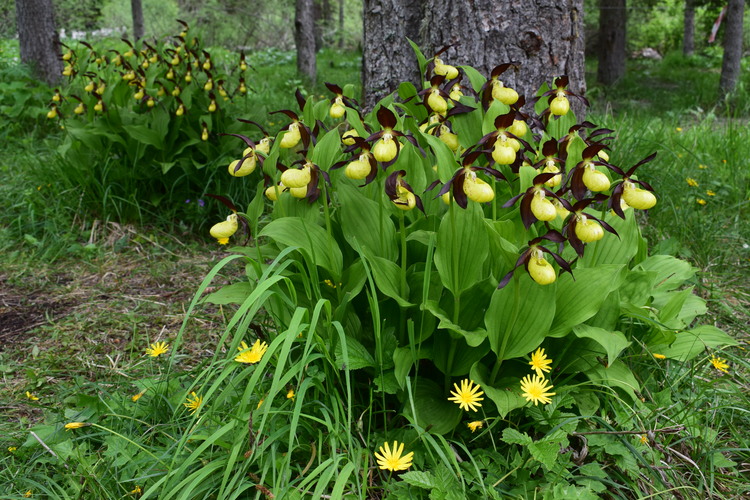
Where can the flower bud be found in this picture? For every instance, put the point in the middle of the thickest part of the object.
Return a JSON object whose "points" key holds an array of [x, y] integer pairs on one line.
{"points": [[79, 109]]}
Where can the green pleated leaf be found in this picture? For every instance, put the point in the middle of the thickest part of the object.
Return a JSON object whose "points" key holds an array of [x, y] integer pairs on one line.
{"points": [[505, 393], [236, 293], [327, 150], [671, 272], [519, 317], [689, 344], [616, 375], [612, 342], [462, 247], [387, 275], [365, 220], [473, 337], [611, 249], [581, 299], [433, 408], [358, 356], [311, 239], [460, 355]]}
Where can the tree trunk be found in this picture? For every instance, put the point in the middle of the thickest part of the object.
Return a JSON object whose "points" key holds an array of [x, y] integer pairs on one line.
{"points": [[341, 24], [545, 36], [137, 9], [612, 15], [688, 40], [387, 57], [318, 21], [730, 65], [38, 39], [304, 38]]}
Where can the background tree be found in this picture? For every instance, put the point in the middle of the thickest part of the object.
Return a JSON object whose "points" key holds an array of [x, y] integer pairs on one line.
{"points": [[688, 40], [612, 31], [137, 9], [730, 65], [304, 38], [544, 36], [38, 39]]}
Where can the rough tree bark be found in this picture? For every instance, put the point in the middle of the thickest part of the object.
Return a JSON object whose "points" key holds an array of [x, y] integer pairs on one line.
{"points": [[612, 16], [304, 39], [341, 24], [387, 57], [730, 64], [137, 9], [544, 36], [688, 38], [38, 39]]}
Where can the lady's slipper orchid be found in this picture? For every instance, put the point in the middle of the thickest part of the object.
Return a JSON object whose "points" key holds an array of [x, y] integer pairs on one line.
{"points": [[401, 193], [465, 184], [641, 198], [222, 231], [533, 259], [535, 204], [583, 227]]}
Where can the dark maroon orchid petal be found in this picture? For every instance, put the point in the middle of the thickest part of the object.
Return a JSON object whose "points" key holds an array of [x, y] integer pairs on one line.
{"points": [[247, 140], [643, 161], [251, 122], [334, 88], [513, 200], [287, 112], [225, 201], [527, 216], [386, 117], [301, 100]]}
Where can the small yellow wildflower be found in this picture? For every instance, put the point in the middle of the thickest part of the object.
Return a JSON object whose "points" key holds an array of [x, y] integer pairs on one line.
{"points": [[691, 182], [259, 403], [31, 396], [157, 349], [136, 490], [467, 397], [27, 494], [251, 355], [679, 129], [290, 394], [75, 425], [700, 201], [710, 193], [658, 356], [644, 439], [12, 449], [536, 389], [473, 426], [720, 364], [193, 402], [391, 459], [540, 362], [138, 396], [702, 167]]}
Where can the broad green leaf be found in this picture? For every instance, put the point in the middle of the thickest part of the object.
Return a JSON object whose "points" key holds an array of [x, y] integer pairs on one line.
{"points": [[446, 160], [505, 393], [690, 343], [613, 342], [365, 220], [636, 288], [236, 293], [359, 356], [433, 408], [405, 357], [462, 247], [468, 127], [671, 272], [420, 57], [327, 150], [142, 133], [615, 375], [312, 239], [387, 275], [256, 208], [496, 109], [457, 353], [519, 317], [474, 338], [579, 300], [671, 310], [476, 78], [545, 452]]}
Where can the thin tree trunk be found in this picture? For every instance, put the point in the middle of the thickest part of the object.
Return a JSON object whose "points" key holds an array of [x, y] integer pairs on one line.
{"points": [[137, 9], [545, 36], [730, 65], [304, 38], [38, 39], [688, 40], [341, 24], [387, 57], [612, 16]]}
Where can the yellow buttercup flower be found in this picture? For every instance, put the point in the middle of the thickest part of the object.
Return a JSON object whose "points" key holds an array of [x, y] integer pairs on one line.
{"points": [[720, 364], [710, 193], [473, 426], [27, 494], [136, 490], [251, 355], [193, 402], [391, 459], [75, 425], [540, 363], [536, 389], [138, 396], [700, 201], [31, 396], [658, 356], [691, 182], [157, 349], [468, 396], [12, 449], [290, 394]]}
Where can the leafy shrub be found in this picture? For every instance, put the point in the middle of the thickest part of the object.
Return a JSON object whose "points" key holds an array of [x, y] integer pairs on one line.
{"points": [[400, 290]]}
